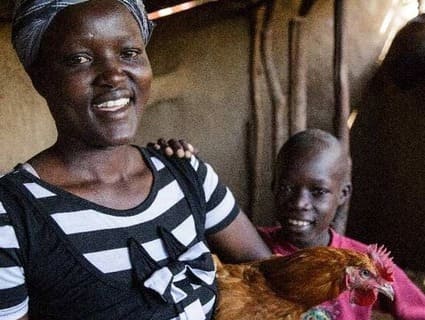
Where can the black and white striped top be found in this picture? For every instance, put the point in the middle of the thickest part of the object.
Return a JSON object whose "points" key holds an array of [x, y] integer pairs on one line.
{"points": [[100, 235]]}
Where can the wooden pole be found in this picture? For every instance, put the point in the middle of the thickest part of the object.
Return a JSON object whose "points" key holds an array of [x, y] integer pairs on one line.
{"points": [[257, 124], [342, 101], [421, 6], [341, 88], [297, 95], [278, 99], [305, 7]]}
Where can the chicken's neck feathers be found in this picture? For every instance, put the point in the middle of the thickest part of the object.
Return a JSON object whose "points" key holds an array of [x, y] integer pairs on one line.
{"points": [[310, 279]]}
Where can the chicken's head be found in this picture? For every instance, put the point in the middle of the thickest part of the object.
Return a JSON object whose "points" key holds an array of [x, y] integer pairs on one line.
{"points": [[373, 275]]}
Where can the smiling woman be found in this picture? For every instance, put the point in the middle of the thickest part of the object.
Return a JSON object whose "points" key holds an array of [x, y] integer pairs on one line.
{"points": [[98, 75], [95, 227]]}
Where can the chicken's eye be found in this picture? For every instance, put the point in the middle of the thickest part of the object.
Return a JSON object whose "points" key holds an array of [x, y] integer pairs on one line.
{"points": [[365, 273]]}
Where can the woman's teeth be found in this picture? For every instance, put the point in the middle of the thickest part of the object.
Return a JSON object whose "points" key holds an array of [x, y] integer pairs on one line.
{"points": [[300, 223], [113, 104]]}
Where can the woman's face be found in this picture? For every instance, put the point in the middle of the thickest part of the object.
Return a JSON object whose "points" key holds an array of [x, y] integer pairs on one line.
{"points": [[94, 73]]}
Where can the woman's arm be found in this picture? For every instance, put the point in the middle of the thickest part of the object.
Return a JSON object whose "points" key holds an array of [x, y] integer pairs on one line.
{"points": [[239, 241]]}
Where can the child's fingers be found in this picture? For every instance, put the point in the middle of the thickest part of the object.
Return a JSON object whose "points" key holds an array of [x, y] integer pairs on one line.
{"points": [[188, 148], [173, 147], [177, 148], [154, 145], [163, 145]]}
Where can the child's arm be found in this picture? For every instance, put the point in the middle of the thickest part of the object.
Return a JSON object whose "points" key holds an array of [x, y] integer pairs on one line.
{"points": [[173, 147]]}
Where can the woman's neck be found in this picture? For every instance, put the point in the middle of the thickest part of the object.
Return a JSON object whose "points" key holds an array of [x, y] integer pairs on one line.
{"points": [[76, 162], [116, 178]]}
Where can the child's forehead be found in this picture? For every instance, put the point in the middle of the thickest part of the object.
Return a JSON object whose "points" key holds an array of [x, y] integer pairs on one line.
{"points": [[317, 165], [310, 156]]}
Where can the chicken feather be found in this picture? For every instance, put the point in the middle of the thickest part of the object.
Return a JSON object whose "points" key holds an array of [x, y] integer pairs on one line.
{"points": [[286, 287]]}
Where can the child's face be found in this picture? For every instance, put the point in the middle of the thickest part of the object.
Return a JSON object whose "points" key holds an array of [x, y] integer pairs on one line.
{"points": [[307, 195]]}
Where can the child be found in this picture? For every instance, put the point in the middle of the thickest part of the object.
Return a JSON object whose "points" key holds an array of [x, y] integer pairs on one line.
{"points": [[311, 183]]}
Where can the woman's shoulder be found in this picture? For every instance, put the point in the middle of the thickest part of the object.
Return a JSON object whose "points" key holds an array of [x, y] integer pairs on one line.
{"points": [[14, 175]]}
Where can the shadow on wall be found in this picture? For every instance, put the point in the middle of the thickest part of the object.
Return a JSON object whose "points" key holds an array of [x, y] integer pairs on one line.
{"points": [[388, 149]]}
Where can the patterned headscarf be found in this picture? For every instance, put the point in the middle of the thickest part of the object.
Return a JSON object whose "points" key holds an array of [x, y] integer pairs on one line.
{"points": [[32, 17]]}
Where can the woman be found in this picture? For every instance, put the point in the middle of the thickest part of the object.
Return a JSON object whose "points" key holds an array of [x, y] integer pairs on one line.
{"points": [[94, 227]]}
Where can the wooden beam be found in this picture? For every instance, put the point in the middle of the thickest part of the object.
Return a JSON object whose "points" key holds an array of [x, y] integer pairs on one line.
{"points": [[177, 8], [256, 146], [342, 101], [277, 96], [305, 7], [421, 6], [297, 76], [341, 87]]}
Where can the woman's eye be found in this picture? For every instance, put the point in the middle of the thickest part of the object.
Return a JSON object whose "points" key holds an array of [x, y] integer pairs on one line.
{"points": [[77, 59], [365, 273], [130, 54]]}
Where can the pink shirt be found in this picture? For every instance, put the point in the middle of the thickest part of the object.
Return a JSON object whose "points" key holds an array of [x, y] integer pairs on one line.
{"points": [[409, 300]]}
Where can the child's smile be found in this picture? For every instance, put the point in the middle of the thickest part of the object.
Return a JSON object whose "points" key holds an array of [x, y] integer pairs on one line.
{"points": [[307, 197]]}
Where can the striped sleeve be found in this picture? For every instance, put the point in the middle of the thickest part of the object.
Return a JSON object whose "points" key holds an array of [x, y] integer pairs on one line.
{"points": [[13, 293], [222, 208]]}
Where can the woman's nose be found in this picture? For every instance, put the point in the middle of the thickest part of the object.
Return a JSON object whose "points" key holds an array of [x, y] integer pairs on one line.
{"points": [[110, 74]]}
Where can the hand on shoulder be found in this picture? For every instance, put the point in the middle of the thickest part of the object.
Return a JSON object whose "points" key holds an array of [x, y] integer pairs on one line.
{"points": [[173, 147]]}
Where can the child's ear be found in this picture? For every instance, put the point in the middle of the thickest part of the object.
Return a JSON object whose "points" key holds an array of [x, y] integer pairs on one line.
{"points": [[345, 193]]}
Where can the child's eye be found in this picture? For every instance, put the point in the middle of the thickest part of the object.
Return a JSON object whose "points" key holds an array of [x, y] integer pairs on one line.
{"points": [[319, 192]]}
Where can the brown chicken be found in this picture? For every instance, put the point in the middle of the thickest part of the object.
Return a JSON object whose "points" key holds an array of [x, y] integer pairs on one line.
{"points": [[286, 287]]}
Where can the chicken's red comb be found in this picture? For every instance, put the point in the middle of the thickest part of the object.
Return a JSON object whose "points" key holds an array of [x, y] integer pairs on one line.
{"points": [[383, 262]]}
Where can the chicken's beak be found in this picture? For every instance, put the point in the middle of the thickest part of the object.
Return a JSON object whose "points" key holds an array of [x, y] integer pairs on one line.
{"points": [[387, 290]]}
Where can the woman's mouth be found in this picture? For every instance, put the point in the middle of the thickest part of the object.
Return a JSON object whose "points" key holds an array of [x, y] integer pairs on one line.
{"points": [[113, 105]]}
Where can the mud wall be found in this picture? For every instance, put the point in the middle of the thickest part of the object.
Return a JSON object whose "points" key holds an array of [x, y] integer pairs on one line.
{"points": [[201, 92]]}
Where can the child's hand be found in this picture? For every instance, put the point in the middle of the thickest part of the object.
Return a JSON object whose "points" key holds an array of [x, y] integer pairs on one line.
{"points": [[178, 148]]}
